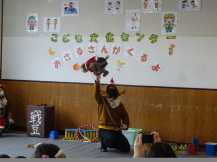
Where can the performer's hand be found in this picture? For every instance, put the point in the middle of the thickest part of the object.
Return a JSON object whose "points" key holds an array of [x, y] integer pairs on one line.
{"points": [[98, 77], [11, 120], [123, 127]]}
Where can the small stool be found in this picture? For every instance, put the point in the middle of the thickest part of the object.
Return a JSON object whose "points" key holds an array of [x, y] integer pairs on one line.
{"points": [[54, 135]]}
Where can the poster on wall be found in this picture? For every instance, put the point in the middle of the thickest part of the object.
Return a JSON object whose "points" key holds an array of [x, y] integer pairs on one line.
{"points": [[132, 20], [32, 22], [70, 8], [169, 22], [189, 5], [151, 6], [51, 24], [114, 6]]}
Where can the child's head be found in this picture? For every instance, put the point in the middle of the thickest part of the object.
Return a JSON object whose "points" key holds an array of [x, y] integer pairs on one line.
{"points": [[48, 150], [4, 156], [160, 150], [20, 157]]}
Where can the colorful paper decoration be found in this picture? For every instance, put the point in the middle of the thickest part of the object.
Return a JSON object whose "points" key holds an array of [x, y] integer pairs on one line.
{"points": [[140, 37], [104, 48], [54, 37], [116, 49], [153, 38], [171, 37], [50, 51], [91, 48], [67, 56], [79, 51], [144, 58], [156, 67], [65, 38], [120, 65], [125, 37], [56, 63], [76, 67], [93, 37], [130, 51], [78, 38], [109, 37], [171, 49]]}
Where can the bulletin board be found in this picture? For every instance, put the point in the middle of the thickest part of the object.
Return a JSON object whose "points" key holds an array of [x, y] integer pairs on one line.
{"points": [[188, 61]]}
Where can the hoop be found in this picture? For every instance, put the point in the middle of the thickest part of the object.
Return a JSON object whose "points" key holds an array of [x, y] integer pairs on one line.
{"points": [[78, 131]]}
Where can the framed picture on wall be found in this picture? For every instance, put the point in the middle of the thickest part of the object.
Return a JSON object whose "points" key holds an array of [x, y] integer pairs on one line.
{"points": [[70, 8]]}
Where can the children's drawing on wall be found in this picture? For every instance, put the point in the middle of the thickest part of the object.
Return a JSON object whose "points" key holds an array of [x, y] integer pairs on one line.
{"points": [[51, 24], [151, 6], [171, 48], [146, 6], [169, 22], [189, 5], [132, 20], [114, 6], [70, 8], [157, 6], [119, 7], [32, 22]]}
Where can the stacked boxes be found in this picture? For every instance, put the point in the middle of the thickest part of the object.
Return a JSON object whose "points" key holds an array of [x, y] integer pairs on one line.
{"points": [[131, 134]]}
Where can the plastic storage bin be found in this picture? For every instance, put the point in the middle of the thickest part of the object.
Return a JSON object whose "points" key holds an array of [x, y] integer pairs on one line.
{"points": [[131, 134]]}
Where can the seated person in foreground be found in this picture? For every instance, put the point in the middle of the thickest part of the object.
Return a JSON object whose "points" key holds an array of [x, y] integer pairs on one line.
{"points": [[157, 150]]}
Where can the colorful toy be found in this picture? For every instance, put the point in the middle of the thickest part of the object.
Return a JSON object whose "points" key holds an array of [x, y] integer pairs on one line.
{"points": [[192, 149], [96, 65], [87, 133]]}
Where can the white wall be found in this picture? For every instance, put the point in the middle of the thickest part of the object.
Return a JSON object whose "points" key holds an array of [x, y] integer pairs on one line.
{"points": [[193, 63], [0, 34]]}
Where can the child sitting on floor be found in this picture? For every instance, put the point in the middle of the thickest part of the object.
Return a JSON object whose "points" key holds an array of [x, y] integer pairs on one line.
{"points": [[47, 150]]}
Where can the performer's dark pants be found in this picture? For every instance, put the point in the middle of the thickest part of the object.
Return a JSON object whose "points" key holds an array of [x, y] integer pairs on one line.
{"points": [[8, 125], [114, 139]]}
